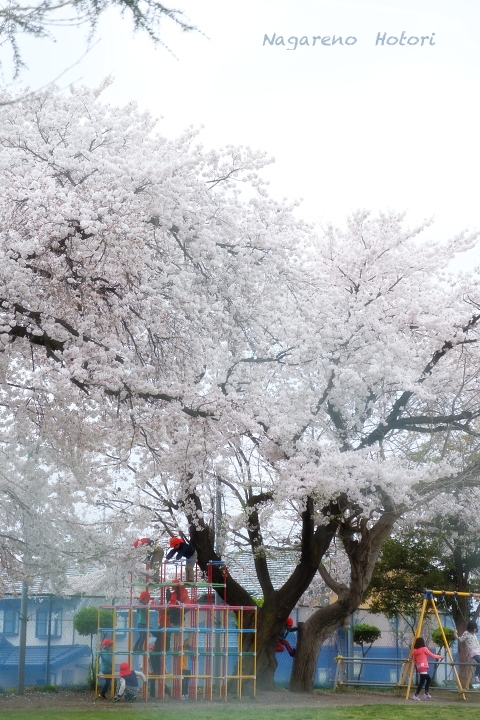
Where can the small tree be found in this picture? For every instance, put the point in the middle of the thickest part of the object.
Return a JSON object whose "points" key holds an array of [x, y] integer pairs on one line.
{"points": [[86, 622], [438, 639], [408, 564], [363, 635]]}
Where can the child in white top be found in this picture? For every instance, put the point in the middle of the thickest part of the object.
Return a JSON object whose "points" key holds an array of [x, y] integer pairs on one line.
{"points": [[470, 639]]}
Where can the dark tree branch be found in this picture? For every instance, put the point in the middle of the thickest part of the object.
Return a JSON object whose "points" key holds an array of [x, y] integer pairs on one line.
{"points": [[256, 543], [202, 538], [384, 428]]}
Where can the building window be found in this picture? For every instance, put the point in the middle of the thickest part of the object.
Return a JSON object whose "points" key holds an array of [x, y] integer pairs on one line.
{"points": [[8, 621], [42, 624], [122, 622]]}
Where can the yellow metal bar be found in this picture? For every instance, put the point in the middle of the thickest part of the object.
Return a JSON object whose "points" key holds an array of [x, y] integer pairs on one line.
{"points": [[447, 648], [453, 593], [339, 668]]}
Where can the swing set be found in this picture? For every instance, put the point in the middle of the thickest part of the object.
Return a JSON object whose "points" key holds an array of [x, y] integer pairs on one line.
{"points": [[429, 603]]}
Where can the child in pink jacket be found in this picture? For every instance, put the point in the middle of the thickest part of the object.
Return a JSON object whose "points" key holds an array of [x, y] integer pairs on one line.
{"points": [[420, 657]]}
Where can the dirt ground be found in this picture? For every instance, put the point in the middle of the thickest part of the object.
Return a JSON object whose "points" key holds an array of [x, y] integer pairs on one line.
{"points": [[73, 700]]}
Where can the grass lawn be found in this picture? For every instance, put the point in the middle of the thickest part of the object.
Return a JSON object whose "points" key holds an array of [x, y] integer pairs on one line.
{"points": [[369, 712]]}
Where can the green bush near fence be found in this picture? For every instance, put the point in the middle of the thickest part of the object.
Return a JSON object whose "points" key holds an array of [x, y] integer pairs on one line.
{"points": [[438, 638]]}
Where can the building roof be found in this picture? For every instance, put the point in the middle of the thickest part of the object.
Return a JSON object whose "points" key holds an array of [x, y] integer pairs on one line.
{"points": [[94, 582], [280, 566], [60, 655]]}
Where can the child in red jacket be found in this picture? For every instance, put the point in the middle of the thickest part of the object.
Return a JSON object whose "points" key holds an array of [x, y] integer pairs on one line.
{"points": [[420, 657], [282, 642]]}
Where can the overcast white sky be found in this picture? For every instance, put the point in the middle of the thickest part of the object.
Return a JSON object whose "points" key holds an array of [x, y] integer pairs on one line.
{"points": [[362, 125]]}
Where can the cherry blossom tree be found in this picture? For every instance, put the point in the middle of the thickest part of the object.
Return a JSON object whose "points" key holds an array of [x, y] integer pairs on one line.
{"points": [[337, 469], [127, 314], [47, 524], [207, 341]]}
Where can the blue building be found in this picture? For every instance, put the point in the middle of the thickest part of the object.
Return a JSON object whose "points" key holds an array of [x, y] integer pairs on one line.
{"points": [[55, 653]]}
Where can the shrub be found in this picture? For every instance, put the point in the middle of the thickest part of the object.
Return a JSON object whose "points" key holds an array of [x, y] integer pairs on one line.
{"points": [[85, 621], [364, 634], [438, 639]]}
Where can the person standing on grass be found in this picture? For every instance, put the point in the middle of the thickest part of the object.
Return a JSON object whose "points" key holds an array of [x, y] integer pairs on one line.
{"points": [[420, 657]]}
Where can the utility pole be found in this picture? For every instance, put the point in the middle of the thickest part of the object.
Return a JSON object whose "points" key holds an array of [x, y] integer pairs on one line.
{"points": [[22, 645], [49, 641], [218, 518], [219, 550]]}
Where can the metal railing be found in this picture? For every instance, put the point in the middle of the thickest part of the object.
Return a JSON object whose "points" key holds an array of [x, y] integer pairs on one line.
{"points": [[358, 671], [354, 671]]}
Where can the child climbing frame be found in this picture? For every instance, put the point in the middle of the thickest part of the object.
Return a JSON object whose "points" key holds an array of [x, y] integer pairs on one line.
{"points": [[202, 649]]}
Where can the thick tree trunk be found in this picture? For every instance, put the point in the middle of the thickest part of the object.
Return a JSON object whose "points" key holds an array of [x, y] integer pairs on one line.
{"points": [[277, 604], [266, 662], [318, 628], [362, 545], [461, 615], [463, 657], [308, 650], [268, 632]]}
